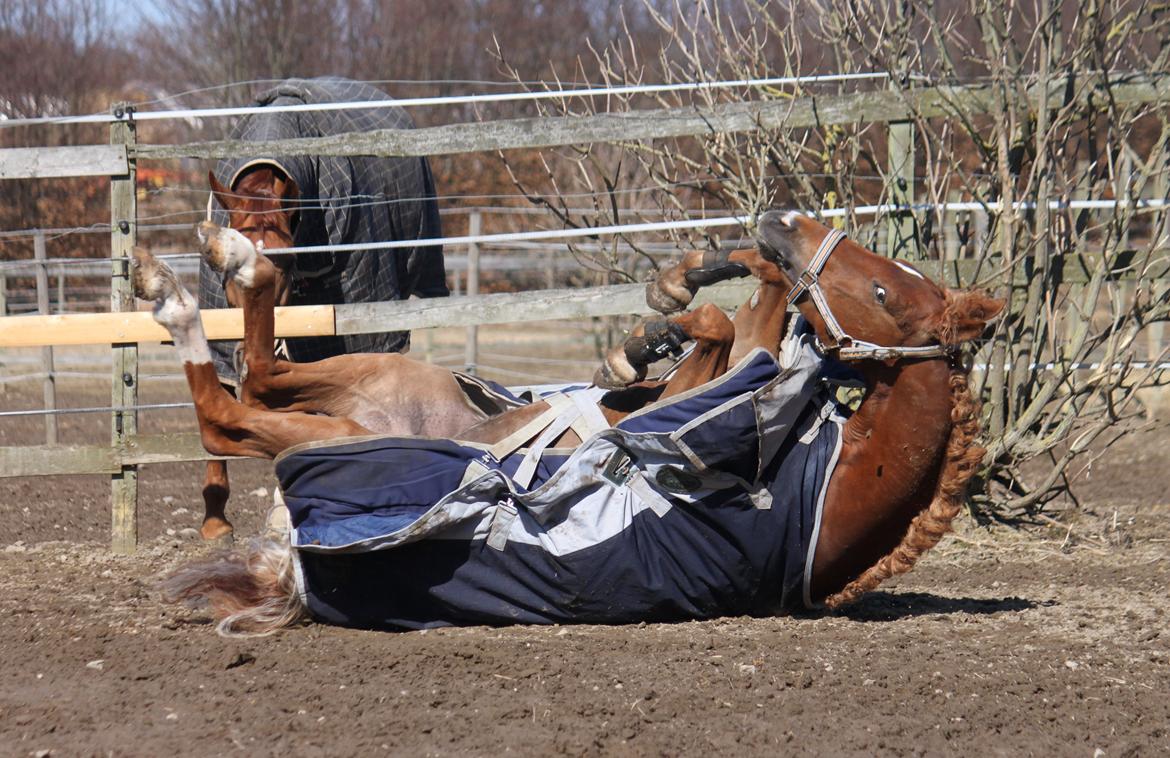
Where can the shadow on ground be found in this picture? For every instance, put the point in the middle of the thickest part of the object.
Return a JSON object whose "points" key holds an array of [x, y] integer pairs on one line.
{"points": [[890, 606]]}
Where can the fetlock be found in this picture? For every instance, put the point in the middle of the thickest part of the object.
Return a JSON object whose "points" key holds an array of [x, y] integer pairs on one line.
{"points": [[628, 362]]}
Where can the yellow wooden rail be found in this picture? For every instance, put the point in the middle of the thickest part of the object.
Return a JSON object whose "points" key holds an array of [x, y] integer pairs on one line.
{"points": [[139, 326]]}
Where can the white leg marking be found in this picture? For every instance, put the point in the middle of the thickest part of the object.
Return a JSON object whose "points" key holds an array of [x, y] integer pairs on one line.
{"points": [[178, 311]]}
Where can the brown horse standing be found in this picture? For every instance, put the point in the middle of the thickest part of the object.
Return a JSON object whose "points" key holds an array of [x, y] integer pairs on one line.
{"points": [[907, 453]]}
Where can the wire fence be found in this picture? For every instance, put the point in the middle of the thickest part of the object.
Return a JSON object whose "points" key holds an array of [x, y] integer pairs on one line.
{"points": [[630, 231], [134, 114]]}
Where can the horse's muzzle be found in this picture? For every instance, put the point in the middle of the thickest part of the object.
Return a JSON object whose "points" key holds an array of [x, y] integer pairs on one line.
{"points": [[778, 238]]}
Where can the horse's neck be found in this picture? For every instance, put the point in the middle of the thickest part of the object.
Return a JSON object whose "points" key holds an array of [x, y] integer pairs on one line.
{"points": [[891, 457]]}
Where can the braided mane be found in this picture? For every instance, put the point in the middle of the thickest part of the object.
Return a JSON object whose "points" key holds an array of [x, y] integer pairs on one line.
{"points": [[928, 527]]}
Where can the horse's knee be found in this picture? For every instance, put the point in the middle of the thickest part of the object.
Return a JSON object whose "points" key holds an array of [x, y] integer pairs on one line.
{"points": [[708, 322]]}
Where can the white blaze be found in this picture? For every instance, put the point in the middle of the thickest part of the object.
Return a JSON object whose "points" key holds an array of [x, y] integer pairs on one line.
{"points": [[909, 269]]}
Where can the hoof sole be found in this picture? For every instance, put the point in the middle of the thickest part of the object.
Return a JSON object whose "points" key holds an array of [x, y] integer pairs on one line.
{"points": [[662, 302]]}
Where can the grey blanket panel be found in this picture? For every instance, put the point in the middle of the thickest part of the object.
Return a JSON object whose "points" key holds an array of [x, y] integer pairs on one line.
{"points": [[343, 200]]}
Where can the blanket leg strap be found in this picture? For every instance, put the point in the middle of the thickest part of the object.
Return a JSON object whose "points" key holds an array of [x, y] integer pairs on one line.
{"points": [[513, 442]]}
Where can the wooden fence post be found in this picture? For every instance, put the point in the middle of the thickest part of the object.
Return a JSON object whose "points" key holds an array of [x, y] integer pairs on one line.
{"points": [[471, 349], [900, 236], [1156, 332], [50, 381], [124, 398]]}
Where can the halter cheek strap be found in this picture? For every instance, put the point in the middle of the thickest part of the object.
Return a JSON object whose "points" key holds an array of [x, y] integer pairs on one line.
{"points": [[847, 347]]}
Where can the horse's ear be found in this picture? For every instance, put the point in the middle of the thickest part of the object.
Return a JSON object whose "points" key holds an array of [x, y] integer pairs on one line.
{"points": [[968, 314], [222, 193], [285, 187], [287, 190]]}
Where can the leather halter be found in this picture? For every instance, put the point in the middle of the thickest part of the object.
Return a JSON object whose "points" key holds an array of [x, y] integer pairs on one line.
{"points": [[848, 348]]}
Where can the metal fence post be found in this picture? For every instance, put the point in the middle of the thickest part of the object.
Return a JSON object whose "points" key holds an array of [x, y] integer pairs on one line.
{"points": [[471, 349], [124, 421], [50, 381]]}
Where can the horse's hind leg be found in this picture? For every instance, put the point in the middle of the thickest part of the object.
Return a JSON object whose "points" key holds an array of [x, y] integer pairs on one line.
{"points": [[707, 325], [226, 427]]}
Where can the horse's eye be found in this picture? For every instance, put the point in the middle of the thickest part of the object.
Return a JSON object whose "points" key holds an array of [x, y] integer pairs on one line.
{"points": [[879, 293]]}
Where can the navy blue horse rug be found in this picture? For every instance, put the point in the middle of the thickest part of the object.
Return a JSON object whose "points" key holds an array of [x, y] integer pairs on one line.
{"points": [[702, 505]]}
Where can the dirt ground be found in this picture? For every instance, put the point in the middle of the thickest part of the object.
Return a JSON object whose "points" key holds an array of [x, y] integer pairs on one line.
{"points": [[1053, 643]]}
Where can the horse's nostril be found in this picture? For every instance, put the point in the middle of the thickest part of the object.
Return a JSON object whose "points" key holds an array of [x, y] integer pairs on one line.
{"points": [[789, 219]]}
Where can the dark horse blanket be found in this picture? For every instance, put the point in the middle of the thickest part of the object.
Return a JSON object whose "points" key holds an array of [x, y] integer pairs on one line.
{"points": [[343, 200], [704, 504]]}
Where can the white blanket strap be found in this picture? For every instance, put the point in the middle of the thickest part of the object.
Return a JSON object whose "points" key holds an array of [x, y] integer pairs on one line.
{"points": [[582, 415], [514, 441], [559, 425], [590, 420]]}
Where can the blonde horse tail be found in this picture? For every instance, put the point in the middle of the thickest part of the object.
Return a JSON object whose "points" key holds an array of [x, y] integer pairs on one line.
{"points": [[250, 592]]}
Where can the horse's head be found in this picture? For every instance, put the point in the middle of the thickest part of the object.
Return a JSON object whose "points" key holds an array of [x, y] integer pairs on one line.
{"points": [[860, 302], [262, 206]]}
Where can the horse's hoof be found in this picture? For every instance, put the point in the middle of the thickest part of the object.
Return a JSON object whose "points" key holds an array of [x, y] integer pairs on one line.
{"points": [[151, 278], [664, 302], [218, 531], [617, 372], [205, 230], [227, 251]]}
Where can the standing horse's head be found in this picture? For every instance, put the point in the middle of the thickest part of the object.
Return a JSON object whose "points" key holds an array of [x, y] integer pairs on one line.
{"points": [[261, 205], [872, 299]]}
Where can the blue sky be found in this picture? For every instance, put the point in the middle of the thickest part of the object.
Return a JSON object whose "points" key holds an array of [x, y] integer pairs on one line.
{"points": [[132, 12]]}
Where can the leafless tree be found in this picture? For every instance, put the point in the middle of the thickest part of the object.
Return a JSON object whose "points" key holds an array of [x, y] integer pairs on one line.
{"points": [[1048, 124]]}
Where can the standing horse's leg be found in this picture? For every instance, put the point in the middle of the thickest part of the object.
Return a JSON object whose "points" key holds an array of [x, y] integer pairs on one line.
{"points": [[760, 322], [652, 340], [215, 496], [226, 426]]}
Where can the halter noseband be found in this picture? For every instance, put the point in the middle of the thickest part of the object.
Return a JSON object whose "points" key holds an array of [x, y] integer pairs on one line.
{"points": [[847, 347]]}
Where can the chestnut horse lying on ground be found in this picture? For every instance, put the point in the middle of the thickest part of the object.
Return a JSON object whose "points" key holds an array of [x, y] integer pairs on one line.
{"points": [[902, 461]]}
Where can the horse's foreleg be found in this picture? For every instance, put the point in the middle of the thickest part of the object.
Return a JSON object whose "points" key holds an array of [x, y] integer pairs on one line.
{"points": [[677, 284], [226, 427], [251, 284], [714, 335], [707, 325], [760, 322]]}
